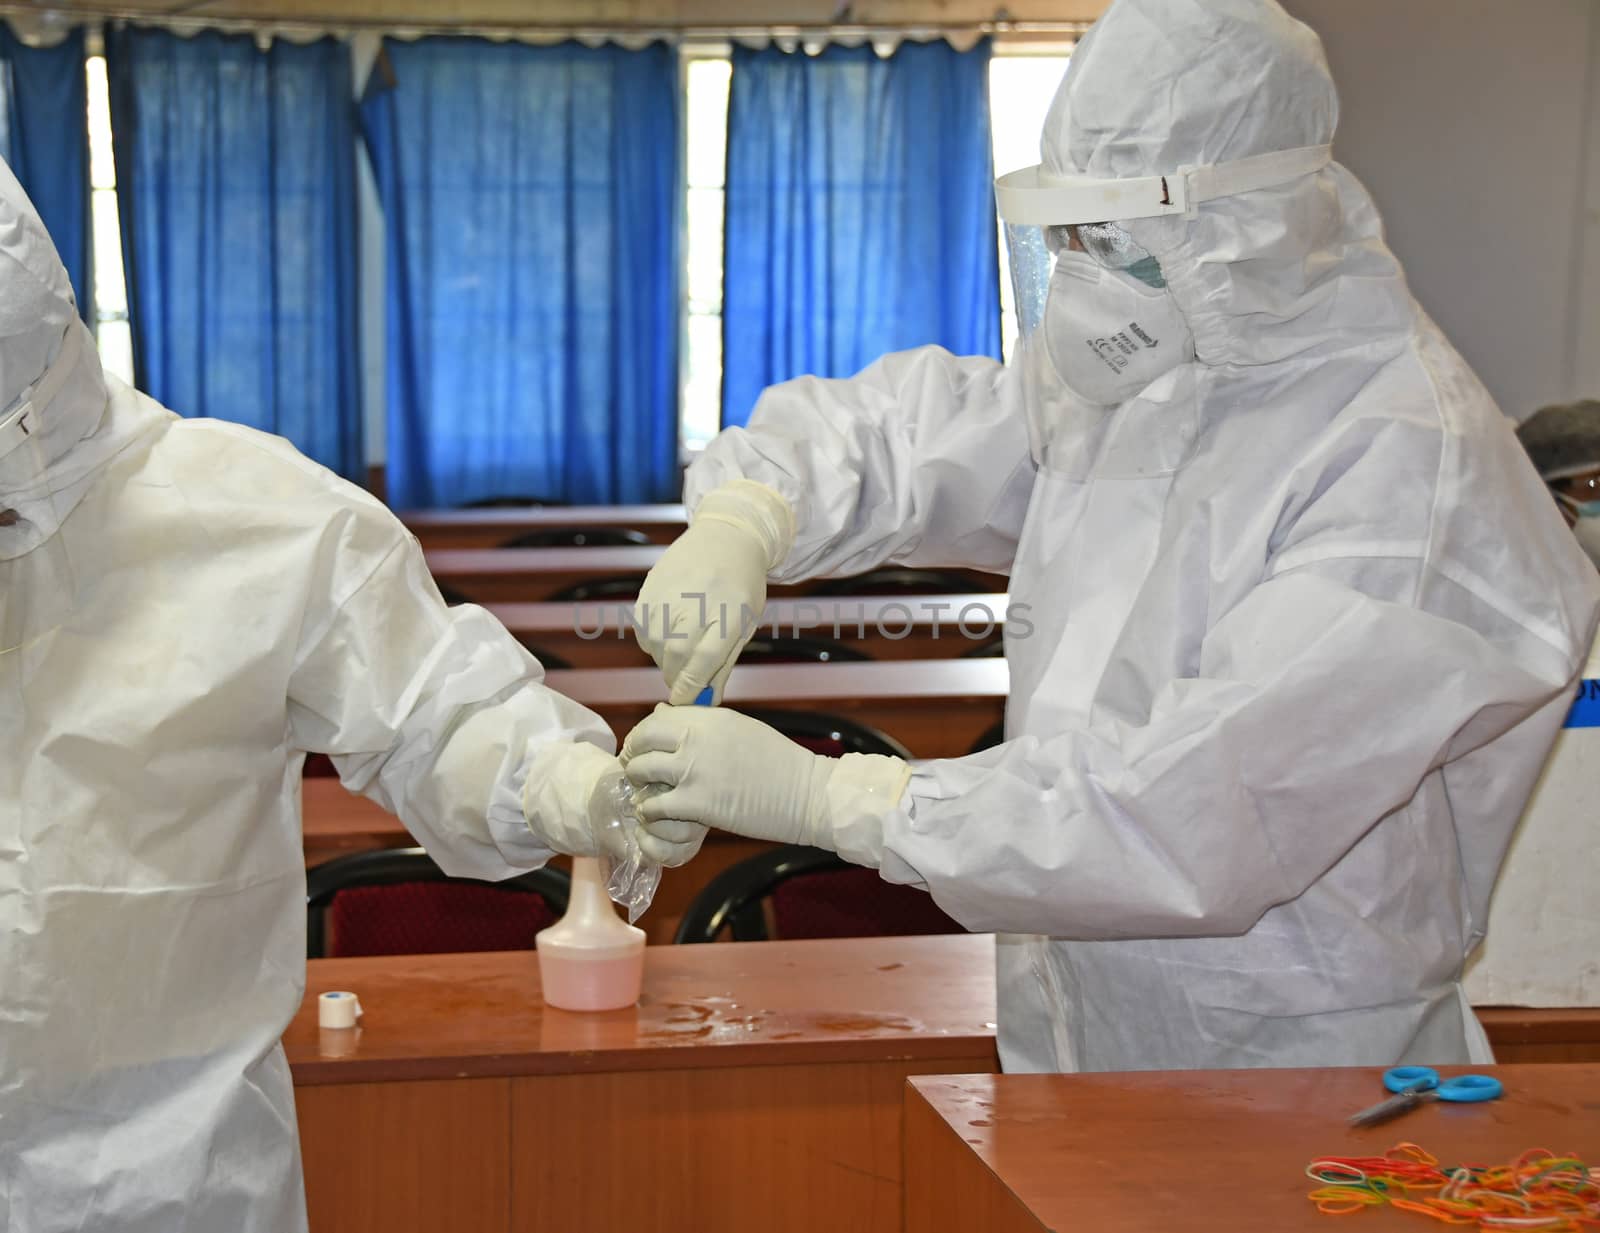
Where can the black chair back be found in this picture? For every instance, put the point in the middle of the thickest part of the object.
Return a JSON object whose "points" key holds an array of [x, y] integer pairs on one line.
{"points": [[780, 650], [624, 588], [580, 537]]}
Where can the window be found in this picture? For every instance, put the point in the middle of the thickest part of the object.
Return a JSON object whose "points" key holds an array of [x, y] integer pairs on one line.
{"points": [[705, 159], [1021, 84], [110, 317]]}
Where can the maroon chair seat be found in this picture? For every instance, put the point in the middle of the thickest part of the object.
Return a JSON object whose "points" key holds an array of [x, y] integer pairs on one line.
{"points": [[854, 903], [398, 902], [433, 918]]}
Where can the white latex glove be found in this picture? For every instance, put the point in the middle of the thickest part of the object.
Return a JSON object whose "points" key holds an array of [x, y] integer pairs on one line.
{"points": [[723, 769], [703, 600], [574, 801]]}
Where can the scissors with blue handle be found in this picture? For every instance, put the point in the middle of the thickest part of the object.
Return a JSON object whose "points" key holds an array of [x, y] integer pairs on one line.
{"points": [[1412, 1085]]}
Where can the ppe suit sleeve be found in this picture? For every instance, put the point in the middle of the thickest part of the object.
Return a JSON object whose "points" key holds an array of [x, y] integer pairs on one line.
{"points": [[1315, 711], [436, 714], [920, 459]]}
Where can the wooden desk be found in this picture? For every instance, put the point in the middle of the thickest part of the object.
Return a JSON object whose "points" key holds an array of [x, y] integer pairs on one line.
{"points": [[756, 1086], [1198, 1150], [505, 575], [601, 634], [489, 528], [1558, 1034], [334, 822], [495, 575], [937, 708]]}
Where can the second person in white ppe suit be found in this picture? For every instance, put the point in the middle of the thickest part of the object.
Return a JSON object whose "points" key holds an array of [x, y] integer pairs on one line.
{"points": [[1304, 621], [1563, 443], [186, 609]]}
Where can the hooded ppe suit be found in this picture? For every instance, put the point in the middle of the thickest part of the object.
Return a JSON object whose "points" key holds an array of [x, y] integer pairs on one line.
{"points": [[1301, 620], [186, 608], [1543, 946]]}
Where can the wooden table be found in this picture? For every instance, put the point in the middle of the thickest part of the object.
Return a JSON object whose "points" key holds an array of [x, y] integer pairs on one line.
{"points": [[489, 528], [1197, 1150], [336, 822], [503, 575], [492, 575], [756, 1087], [1552, 1034], [601, 634]]}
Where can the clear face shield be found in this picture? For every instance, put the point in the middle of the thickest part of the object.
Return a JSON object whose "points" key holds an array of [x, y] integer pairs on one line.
{"points": [[37, 582], [1032, 250]]}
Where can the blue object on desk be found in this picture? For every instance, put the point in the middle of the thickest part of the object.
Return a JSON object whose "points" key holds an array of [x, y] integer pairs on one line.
{"points": [[1463, 1089], [1412, 1085]]}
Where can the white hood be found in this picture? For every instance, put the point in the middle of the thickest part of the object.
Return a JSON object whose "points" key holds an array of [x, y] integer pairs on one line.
{"points": [[47, 356], [1299, 269]]}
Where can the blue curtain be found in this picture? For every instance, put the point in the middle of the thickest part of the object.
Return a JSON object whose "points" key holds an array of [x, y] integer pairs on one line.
{"points": [[236, 186], [860, 212], [44, 137], [530, 200]]}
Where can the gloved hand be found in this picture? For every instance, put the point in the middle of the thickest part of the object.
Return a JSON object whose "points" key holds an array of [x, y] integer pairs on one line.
{"points": [[703, 600], [720, 768], [575, 801]]}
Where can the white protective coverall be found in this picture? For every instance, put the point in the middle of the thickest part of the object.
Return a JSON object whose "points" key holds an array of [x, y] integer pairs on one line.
{"points": [[187, 606], [1301, 620]]}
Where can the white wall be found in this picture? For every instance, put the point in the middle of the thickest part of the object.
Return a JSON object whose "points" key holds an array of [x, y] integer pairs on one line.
{"points": [[1474, 124]]}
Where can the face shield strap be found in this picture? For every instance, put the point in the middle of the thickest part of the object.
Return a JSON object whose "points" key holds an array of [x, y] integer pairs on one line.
{"points": [[20, 422], [1034, 197]]}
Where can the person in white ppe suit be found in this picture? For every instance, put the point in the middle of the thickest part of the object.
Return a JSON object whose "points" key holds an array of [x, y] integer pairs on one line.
{"points": [[1543, 944], [1304, 621], [186, 608]]}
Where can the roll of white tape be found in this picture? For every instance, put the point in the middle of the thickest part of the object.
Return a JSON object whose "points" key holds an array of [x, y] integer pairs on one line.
{"points": [[338, 1010]]}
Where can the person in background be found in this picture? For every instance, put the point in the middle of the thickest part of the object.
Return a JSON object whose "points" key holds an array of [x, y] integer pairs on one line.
{"points": [[1543, 944], [187, 608], [1304, 623], [1563, 443]]}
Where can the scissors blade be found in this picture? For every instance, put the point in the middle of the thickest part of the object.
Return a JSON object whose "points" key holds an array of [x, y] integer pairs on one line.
{"points": [[1394, 1106]]}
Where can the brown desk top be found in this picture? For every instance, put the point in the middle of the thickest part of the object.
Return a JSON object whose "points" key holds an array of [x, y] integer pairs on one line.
{"points": [[333, 817], [815, 616], [734, 1004], [596, 562], [516, 566], [913, 681], [542, 518], [1225, 1150], [1521, 1025]]}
